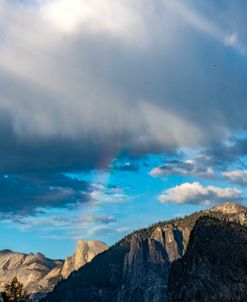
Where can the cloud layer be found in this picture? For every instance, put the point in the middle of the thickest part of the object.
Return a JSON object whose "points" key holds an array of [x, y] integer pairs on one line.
{"points": [[195, 193], [82, 80], [192, 167], [26, 194], [236, 176], [85, 82]]}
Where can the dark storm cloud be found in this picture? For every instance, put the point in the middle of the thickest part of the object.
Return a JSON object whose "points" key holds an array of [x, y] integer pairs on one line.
{"points": [[37, 155], [74, 92], [223, 158], [24, 194], [224, 154], [79, 83]]}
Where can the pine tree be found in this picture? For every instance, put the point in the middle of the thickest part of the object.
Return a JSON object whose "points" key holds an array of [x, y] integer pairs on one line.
{"points": [[14, 292]]}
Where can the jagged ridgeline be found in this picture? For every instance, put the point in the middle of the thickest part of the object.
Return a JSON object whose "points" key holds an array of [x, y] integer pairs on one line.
{"points": [[137, 267], [38, 274]]}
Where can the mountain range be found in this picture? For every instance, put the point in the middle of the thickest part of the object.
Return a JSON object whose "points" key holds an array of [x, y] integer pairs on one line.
{"points": [[39, 274], [201, 257]]}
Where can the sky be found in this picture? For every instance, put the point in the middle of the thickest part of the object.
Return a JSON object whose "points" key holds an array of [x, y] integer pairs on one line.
{"points": [[117, 114]]}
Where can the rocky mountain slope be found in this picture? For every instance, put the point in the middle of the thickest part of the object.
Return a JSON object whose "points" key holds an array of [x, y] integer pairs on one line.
{"points": [[38, 274], [214, 267], [137, 267]]}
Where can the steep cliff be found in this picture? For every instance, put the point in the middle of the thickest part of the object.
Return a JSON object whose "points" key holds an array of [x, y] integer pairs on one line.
{"points": [[214, 267], [146, 265], [137, 267]]}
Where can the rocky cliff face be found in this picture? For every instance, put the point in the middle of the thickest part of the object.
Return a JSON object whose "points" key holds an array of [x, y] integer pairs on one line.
{"points": [[214, 267], [38, 274], [146, 265], [137, 268], [85, 251]]}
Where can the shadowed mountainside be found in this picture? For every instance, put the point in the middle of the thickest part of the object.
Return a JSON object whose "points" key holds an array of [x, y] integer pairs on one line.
{"points": [[137, 267], [214, 267]]}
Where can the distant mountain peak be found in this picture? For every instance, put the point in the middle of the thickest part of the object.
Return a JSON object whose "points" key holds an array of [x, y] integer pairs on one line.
{"points": [[6, 251], [91, 243], [85, 251], [230, 208]]}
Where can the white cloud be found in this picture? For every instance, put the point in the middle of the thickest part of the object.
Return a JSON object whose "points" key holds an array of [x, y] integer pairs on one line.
{"points": [[195, 193], [73, 222], [156, 172], [108, 195], [66, 15], [116, 17], [185, 168], [236, 176]]}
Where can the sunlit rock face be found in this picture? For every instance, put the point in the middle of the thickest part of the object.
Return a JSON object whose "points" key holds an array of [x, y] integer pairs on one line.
{"points": [[147, 264], [40, 275], [85, 251], [234, 211], [138, 267], [230, 208]]}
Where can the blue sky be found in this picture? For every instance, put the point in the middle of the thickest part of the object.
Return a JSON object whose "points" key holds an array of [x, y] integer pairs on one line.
{"points": [[116, 114], [123, 198]]}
